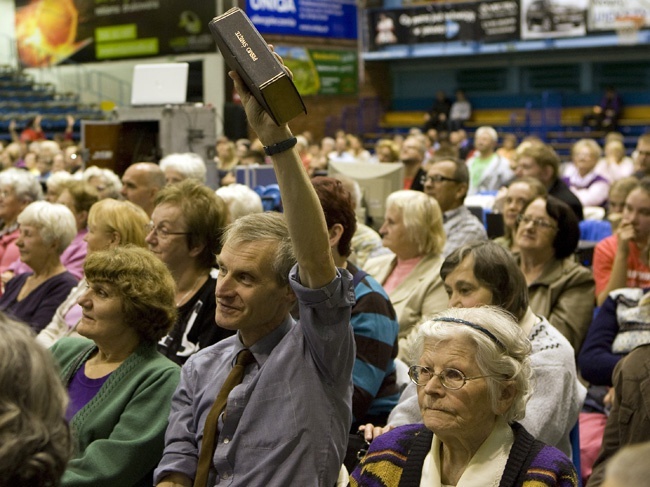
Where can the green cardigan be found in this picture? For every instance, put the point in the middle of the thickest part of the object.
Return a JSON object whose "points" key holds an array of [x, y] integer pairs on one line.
{"points": [[120, 432]]}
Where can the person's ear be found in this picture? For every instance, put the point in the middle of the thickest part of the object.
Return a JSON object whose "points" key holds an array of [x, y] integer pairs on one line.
{"points": [[506, 397], [116, 239], [335, 234], [196, 250]]}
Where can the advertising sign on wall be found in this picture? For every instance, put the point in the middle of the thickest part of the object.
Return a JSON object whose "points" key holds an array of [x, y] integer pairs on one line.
{"points": [[487, 21], [51, 31], [319, 18], [545, 19], [322, 71], [603, 14]]}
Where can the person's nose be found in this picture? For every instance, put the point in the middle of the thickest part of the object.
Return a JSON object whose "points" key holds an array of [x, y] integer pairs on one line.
{"points": [[224, 287], [434, 386], [84, 300], [151, 236]]}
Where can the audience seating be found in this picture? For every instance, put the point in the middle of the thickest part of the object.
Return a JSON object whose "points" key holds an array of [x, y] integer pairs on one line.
{"points": [[22, 99]]}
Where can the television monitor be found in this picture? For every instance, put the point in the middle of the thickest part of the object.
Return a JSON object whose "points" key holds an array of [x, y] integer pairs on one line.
{"points": [[377, 181]]}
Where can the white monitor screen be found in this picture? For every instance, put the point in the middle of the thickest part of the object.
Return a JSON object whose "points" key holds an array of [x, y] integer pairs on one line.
{"points": [[159, 84], [377, 181]]}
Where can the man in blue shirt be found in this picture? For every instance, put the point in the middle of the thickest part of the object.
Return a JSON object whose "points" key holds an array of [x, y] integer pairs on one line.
{"points": [[287, 423]]}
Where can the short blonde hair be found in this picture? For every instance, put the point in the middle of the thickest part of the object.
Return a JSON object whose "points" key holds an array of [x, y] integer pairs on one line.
{"points": [[589, 144], [422, 219], [54, 221], [128, 220]]}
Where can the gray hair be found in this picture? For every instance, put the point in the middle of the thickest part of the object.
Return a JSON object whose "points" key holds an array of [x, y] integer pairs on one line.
{"points": [[24, 184], [54, 221], [110, 179], [505, 353], [188, 164], [241, 200], [270, 227], [628, 466], [489, 131], [422, 219], [56, 181]]}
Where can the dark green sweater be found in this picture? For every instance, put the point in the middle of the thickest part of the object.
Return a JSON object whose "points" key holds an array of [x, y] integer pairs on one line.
{"points": [[120, 432]]}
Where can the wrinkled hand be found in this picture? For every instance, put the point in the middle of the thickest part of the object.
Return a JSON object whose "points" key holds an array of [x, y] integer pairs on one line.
{"points": [[12, 125], [370, 431]]}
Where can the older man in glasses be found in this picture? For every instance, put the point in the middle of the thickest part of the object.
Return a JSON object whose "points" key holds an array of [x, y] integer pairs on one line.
{"points": [[447, 181]]}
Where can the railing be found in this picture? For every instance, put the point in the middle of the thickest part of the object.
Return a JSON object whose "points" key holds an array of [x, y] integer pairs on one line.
{"points": [[96, 86]]}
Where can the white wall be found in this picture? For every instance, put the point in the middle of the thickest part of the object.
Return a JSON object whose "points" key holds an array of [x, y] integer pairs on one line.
{"points": [[7, 32]]}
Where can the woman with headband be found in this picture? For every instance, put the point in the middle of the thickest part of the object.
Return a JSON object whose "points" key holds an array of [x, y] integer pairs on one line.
{"points": [[473, 380]]}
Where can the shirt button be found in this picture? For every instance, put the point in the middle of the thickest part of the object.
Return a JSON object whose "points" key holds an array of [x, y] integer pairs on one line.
{"points": [[226, 440], [225, 476]]}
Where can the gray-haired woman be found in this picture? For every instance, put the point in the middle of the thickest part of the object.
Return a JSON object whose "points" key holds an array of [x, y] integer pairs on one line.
{"points": [[46, 229], [473, 379]]}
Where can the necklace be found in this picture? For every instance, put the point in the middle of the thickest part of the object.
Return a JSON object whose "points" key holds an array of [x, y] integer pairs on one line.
{"points": [[180, 301]]}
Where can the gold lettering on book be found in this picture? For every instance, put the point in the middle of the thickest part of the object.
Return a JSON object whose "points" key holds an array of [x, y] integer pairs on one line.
{"points": [[244, 44]]}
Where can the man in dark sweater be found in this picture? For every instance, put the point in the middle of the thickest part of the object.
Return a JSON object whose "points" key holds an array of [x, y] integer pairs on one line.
{"points": [[540, 161]]}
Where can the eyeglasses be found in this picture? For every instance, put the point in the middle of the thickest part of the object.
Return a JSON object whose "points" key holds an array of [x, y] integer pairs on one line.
{"points": [[537, 222], [450, 378], [161, 231], [438, 179]]}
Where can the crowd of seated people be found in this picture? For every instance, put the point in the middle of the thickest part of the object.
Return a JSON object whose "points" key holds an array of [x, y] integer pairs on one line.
{"points": [[156, 294]]}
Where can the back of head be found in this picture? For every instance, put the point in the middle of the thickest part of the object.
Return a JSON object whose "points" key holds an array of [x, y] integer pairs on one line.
{"points": [[188, 164], [422, 219], [128, 220], [264, 227], [144, 284], [204, 212], [496, 269], [338, 207], [35, 441], [240, 199], [628, 466]]}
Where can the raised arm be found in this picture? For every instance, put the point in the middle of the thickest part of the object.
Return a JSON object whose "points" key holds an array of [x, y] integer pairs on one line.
{"points": [[302, 208]]}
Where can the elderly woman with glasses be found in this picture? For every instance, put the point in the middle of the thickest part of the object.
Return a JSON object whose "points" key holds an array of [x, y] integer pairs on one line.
{"points": [[45, 230], [484, 273], [473, 381], [559, 288], [184, 233]]}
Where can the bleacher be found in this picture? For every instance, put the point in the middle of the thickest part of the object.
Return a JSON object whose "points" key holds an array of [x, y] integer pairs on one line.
{"points": [[560, 127], [21, 99]]}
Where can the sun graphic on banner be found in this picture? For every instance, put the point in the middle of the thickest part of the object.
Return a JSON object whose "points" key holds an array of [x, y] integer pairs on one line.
{"points": [[46, 32]]}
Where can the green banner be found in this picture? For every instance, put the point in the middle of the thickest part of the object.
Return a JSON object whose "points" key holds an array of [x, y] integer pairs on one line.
{"points": [[322, 71], [51, 31]]}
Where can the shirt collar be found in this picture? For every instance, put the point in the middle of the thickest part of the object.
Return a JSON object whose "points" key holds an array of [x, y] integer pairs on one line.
{"points": [[264, 346]]}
